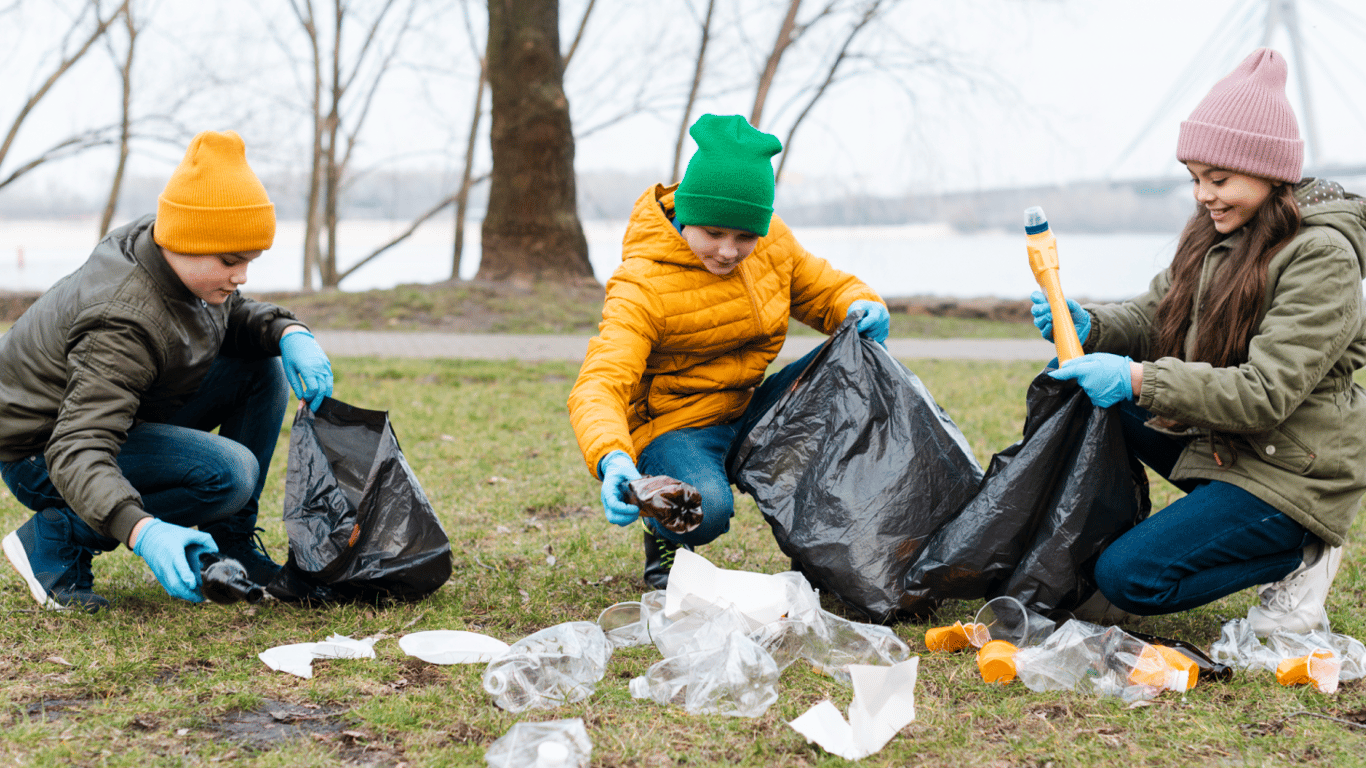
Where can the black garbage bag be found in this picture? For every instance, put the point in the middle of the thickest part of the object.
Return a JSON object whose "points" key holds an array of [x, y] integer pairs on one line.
{"points": [[1048, 506], [853, 468], [359, 525]]}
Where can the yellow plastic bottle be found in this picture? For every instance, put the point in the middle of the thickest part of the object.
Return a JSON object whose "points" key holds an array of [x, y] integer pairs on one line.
{"points": [[1043, 260]]}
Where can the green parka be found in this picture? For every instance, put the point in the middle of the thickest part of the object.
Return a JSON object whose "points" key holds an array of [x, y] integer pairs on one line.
{"points": [[1292, 415], [119, 341]]}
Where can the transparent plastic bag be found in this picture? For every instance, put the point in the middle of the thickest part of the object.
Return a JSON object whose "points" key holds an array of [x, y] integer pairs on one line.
{"points": [[739, 679], [550, 744], [558, 665]]}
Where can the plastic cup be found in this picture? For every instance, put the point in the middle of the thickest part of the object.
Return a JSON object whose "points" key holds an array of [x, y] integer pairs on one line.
{"points": [[1006, 618], [622, 624], [996, 661], [954, 638]]}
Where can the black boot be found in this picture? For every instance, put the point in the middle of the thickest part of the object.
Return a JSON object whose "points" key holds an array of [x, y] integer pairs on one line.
{"points": [[238, 538], [659, 558]]}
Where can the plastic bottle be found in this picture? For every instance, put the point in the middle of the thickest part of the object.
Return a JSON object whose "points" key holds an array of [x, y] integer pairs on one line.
{"points": [[224, 580], [558, 665], [549, 744], [738, 679], [1043, 260]]}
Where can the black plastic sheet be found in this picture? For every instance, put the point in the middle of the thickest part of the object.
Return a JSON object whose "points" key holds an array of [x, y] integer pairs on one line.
{"points": [[854, 467], [359, 525], [1048, 506]]}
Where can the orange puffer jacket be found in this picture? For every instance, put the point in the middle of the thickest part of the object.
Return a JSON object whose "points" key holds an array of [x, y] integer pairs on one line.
{"points": [[680, 347]]}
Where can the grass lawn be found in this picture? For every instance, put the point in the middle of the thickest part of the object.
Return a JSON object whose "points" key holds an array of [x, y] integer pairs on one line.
{"points": [[157, 682]]}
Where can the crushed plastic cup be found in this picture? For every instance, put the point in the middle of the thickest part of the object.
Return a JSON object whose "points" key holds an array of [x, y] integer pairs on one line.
{"points": [[1320, 668], [550, 744], [956, 637], [624, 624], [996, 661], [1006, 618]]}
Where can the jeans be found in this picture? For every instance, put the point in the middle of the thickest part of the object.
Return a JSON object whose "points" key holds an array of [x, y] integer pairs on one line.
{"points": [[698, 456], [1216, 540], [185, 474]]}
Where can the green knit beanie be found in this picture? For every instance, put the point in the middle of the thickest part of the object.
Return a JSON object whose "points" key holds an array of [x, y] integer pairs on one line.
{"points": [[729, 181]]}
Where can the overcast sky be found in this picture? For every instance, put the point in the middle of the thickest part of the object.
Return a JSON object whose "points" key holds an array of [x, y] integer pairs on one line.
{"points": [[1060, 90]]}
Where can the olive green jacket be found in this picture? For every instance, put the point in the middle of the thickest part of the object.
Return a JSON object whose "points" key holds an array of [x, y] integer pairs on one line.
{"points": [[119, 341], [1289, 425]]}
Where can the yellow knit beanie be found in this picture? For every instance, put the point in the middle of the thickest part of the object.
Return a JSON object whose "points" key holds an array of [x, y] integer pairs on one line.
{"points": [[213, 202]]}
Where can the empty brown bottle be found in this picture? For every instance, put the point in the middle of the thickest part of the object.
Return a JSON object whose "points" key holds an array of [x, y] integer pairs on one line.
{"points": [[675, 504]]}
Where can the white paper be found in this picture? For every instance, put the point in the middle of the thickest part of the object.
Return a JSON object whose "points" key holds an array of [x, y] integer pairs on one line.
{"points": [[297, 659], [883, 704], [694, 581]]}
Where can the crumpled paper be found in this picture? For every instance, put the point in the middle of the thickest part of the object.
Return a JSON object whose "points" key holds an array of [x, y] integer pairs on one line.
{"points": [[883, 704], [297, 659]]}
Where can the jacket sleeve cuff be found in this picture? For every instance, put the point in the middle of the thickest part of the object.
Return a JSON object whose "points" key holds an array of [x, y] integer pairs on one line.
{"points": [[122, 521]]}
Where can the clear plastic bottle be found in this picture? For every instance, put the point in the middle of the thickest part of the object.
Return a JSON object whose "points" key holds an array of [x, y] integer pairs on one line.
{"points": [[550, 744], [558, 665], [739, 679]]}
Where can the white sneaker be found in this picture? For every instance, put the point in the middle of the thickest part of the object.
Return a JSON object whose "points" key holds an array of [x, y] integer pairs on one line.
{"points": [[1295, 604]]}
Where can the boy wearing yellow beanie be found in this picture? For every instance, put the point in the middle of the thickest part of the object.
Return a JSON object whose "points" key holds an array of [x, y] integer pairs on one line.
{"points": [[694, 315], [111, 383]]}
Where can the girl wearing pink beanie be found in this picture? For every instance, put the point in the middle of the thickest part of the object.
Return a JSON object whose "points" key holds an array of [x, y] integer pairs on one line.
{"points": [[1234, 371]]}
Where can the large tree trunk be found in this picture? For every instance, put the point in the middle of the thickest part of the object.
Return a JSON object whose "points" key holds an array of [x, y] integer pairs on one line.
{"points": [[531, 230]]}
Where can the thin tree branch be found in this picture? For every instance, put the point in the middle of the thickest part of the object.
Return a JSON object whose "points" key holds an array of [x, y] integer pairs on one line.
{"points": [[578, 36]]}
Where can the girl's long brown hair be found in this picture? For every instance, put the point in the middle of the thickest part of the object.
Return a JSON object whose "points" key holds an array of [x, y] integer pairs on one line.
{"points": [[1231, 307]]}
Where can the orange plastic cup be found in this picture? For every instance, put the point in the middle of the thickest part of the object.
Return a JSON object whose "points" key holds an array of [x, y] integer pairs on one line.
{"points": [[1162, 667], [1317, 669], [954, 638], [996, 661]]}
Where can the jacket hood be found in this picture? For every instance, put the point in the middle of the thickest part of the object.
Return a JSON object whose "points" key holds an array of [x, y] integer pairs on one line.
{"points": [[650, 234], [1325, 203]]}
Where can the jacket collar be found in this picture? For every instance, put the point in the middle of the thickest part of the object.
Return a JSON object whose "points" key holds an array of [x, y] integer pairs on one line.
{"points": [[148, 254]]}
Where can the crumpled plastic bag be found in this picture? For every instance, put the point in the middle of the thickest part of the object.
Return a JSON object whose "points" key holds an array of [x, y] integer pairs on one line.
{"points": [[1047, 508], [1107, 661], [1240, 648], [360, 526], [736, 678], [853, 468]]}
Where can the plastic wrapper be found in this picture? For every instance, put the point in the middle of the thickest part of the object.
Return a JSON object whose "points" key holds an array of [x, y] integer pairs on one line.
{"points": [[1104, 660], [1048, 506], [359, 524], [557, 665], [739, 679], [549, 744], [854, 467]]}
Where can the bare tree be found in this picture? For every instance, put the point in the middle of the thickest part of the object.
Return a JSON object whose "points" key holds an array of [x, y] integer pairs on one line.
{"points": [[531, 230], [345, 82], [867, 14], [87, 26], [467, 180], [696, 85], [771, 66], [130, 29]]}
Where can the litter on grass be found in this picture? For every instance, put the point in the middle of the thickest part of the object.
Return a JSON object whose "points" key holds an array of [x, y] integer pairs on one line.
{"points": [[297, 659]]}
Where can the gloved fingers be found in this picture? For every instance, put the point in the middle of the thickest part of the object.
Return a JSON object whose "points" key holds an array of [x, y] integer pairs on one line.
{"points": [[618, 512], [295, 383]]}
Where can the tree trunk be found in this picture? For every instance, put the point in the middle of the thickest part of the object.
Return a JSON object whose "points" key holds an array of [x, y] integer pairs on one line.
{"points": [[125, 124], [771, 66], [531, 230], [692, 92]]}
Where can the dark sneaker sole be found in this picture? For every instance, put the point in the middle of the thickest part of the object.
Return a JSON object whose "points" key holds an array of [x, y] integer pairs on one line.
{"points": [[18, 557]]}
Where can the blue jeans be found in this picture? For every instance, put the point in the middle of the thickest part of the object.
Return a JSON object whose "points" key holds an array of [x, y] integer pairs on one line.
{"points": [[185, 474], [698, 456], [1216, 540]]}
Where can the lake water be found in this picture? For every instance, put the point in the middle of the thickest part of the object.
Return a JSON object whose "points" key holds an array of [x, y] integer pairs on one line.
{"points": [[896, 261]]}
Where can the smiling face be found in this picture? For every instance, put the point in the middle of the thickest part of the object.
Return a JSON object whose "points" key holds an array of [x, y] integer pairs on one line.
{"points": [[721, 249], [1231, 198], [211, 277]]}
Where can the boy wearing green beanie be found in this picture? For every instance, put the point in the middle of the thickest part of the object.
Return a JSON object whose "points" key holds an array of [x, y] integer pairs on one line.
{"points": [[693, 317]]}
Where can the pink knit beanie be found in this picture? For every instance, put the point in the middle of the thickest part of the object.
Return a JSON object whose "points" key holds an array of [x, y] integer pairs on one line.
{"points": [[1245, 123]]}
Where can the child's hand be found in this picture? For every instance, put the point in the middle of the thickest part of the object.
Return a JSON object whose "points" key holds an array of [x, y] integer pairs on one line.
{"points": [[617, 470], [306, 367], [875, 321]]}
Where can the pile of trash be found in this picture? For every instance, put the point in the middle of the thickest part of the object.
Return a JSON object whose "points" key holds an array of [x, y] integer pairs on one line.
{"points": [[1013, 641]]}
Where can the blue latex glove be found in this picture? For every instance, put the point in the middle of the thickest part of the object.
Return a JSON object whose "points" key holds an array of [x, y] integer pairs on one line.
{"points": [[173, 553], [306, 367], [875, 321], [1043, 317], [1105, 377], [617, 469]]}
